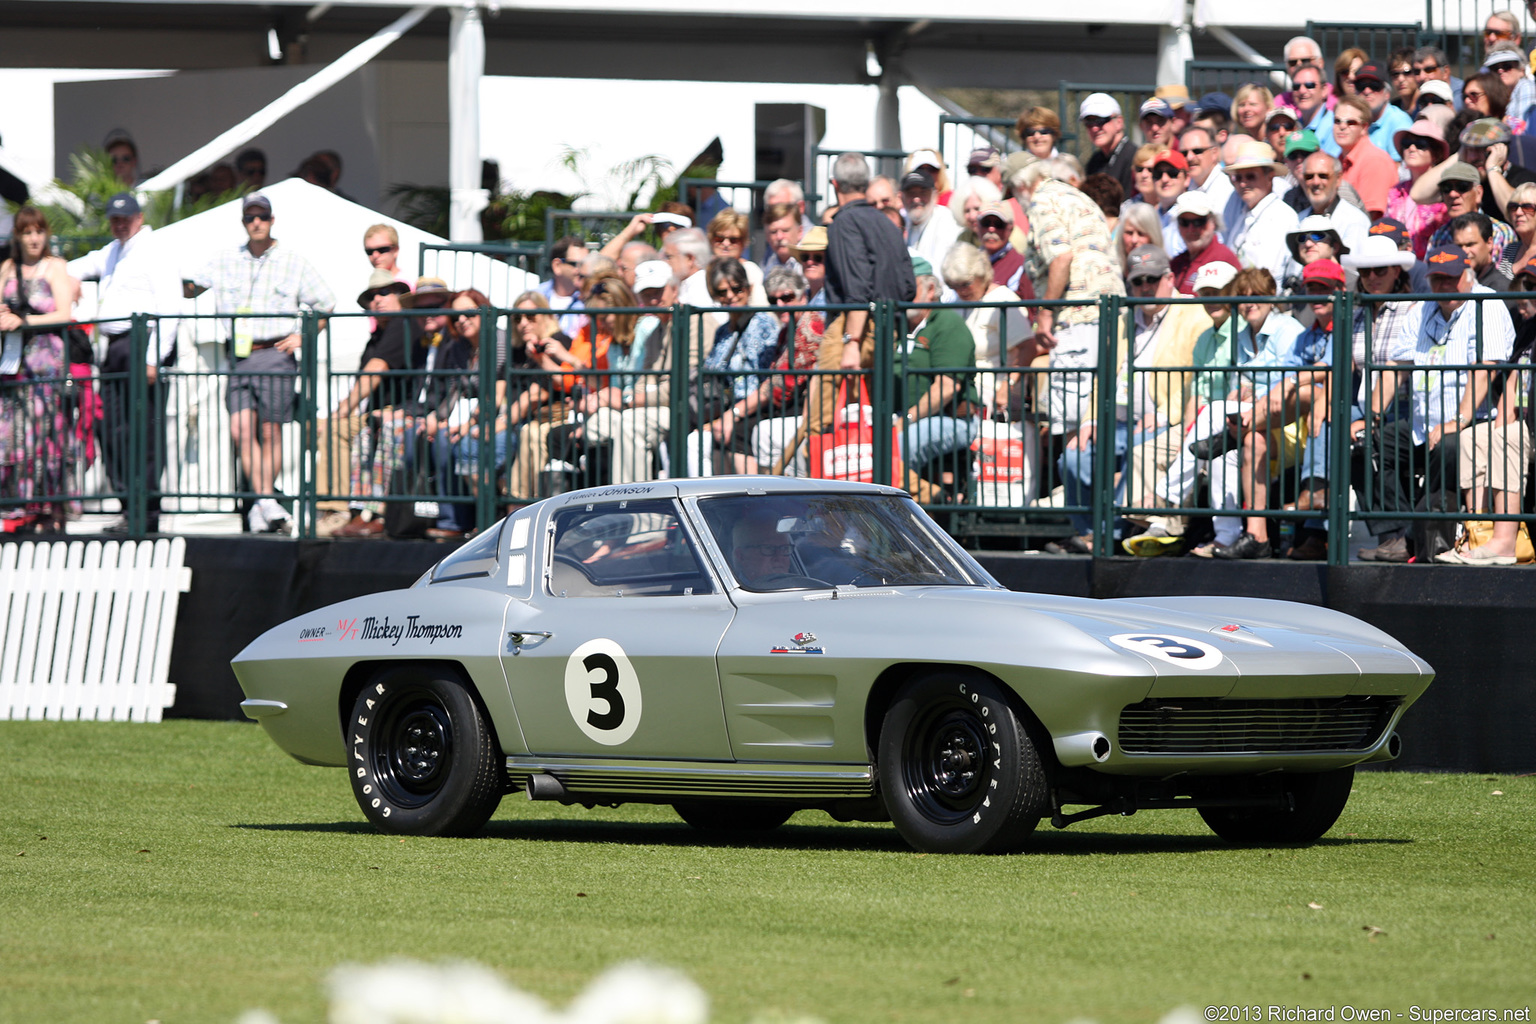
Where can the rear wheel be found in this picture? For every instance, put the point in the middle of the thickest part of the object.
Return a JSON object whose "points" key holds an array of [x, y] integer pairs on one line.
{"points": [[424, 761], [1315, 800], [958, 769], [732, 816]]}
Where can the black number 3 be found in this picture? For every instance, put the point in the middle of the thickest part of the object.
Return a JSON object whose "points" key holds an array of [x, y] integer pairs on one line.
{"points": [[607, 689], [1172, 648]]}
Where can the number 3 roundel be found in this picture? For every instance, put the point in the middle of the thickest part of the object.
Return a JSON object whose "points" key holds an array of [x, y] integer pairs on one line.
{"points": [[603, 692], [1176, 650]]}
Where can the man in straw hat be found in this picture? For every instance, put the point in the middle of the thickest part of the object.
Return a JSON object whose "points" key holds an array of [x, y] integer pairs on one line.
{"points": [[1257, 218]]}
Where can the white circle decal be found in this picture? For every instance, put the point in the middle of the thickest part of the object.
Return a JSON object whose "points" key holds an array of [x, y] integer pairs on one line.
{"points": [[603, 692], [1175, 650]]}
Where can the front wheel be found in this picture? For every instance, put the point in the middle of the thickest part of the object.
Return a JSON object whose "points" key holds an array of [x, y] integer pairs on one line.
{"points": [[424, 762], [958, 769], [1315, 803]]}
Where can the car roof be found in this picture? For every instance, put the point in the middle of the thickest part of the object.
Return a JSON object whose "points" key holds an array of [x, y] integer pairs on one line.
{"points": [[720, 486]]}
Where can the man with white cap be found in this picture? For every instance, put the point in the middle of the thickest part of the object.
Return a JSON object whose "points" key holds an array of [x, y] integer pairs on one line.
{"points": [[1114, 153], [1199, 224], [131, 280], [1257, 218], [926, 235]]}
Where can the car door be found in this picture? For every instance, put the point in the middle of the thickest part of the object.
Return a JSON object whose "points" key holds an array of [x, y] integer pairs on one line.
{"points": [[615, 656]]}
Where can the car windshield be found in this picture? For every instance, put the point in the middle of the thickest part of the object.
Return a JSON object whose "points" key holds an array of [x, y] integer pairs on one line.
{"points": [[820, 541]]}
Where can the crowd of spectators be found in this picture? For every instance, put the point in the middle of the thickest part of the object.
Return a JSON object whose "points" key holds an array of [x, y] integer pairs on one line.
{"points": [[1378, 178]]}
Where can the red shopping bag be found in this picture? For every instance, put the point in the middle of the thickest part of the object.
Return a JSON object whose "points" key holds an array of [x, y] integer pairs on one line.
{"points": [[847, 451]]}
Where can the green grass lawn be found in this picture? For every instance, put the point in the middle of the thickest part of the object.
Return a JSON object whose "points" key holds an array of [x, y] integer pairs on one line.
{"points": [[190, 871]]}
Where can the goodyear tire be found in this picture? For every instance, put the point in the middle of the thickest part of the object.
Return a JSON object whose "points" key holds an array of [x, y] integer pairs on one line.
{"points": [[1316, 801], [957, 767], [424, 761], [733, 816]]}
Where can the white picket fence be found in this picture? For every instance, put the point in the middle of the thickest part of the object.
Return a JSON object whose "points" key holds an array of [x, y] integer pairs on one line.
{"points": [[86, 628]]}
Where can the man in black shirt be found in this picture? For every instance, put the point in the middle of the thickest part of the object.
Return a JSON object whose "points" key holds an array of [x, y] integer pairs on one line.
{"points": [[866, 260], [1105, 127]]}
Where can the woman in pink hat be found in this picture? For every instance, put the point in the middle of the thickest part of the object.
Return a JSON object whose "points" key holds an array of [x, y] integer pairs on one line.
{"points": [[1422, 146]]}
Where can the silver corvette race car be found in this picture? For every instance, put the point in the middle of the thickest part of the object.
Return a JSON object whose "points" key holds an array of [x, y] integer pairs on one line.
{"points": [[745, 647]]}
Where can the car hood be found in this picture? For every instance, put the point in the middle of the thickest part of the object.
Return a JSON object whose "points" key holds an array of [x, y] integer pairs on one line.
{"points": [[1204, 646]]}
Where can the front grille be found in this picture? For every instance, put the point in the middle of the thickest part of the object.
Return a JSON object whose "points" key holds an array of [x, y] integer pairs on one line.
{"points": [[1215, 726]]}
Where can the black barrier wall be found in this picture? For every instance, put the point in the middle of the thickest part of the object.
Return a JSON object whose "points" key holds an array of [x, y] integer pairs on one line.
{"points": [[1473, 627]]}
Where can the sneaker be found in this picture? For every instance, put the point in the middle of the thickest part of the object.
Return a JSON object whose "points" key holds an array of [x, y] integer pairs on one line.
{"points": [[1246, 546], [256, 519], [278, 520], [117, 527]]}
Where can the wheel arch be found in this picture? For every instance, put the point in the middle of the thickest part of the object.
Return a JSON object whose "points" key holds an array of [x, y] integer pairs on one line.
{"points": [[361, 672], [883, 692]]}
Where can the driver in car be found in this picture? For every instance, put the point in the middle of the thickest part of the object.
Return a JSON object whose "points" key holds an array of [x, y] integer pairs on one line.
{"points": [[759, 552]]}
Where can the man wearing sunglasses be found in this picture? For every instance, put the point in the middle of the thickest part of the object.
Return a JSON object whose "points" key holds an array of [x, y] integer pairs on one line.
{"points": [[1104, 125], [1375, 87], [1203, 153], [1257, 219], [1312, 108], [1363, 165], [1303, 52], [1324, 192], [261, 286], [1198, 222], [1430, 64]]}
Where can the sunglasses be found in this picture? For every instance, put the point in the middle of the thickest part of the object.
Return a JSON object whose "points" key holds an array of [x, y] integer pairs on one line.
{"points": [[1299, 61], [1248, 177], [1455, 188], [1370, 85], [1316, 176], [1418, 142], [379, 250], [992, 223], [1318, 236], [1201, 151], [1030, 133], [1493, 33], [1429, 69], [1376, 271], [250, 217], [1092, 123], [1308, 86], [812, 257], [727, 290], [1193, 222], [726, 240], [466, 315], [1348, 123], [1402, 72], [1166, 171], [1525, 208], [787, 299], [1144, 281]]}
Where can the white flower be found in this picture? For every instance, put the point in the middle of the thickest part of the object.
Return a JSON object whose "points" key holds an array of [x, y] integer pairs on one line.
{"points": [[640, 993], [406, 992]]}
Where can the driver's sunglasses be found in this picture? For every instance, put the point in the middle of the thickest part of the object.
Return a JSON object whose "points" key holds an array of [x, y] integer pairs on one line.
{"points": [[252, 217], [767, 550], [379, 250]]}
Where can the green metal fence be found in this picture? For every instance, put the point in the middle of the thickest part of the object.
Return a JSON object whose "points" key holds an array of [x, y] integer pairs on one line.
{"points": [[994, 445]]}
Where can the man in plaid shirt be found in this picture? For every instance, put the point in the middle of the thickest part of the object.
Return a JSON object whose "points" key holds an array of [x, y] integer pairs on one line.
{"points": [[261, 277]]}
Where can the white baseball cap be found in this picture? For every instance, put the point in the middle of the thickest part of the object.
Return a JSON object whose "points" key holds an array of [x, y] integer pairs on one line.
{"points": [[1098, 104], [652, 274], [1215, 275]]}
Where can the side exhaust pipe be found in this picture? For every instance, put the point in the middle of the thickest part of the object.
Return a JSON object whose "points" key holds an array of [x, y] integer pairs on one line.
{"points": [[1390, 750], [546, 787], [1082, 748]]}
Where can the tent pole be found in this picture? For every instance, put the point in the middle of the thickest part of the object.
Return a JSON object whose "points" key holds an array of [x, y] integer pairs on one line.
{"points": [[466, 66]]}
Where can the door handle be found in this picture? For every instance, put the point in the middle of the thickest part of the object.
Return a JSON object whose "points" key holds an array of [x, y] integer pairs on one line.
{"points": [[522, 636]]}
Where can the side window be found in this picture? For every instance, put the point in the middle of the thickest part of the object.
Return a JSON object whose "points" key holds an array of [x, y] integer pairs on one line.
{"points": [[627, 549]]}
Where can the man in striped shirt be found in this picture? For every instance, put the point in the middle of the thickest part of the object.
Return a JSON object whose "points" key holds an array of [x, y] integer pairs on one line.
{"points": [[261, 286]]}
